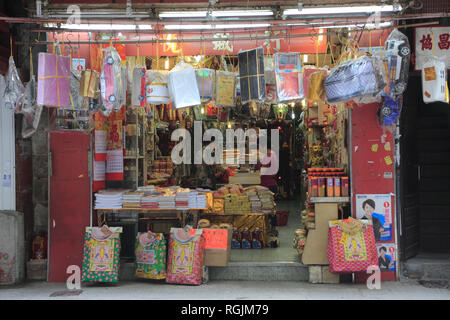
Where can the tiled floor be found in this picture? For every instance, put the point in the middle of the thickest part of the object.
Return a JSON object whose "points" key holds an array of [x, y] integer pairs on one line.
{"points": [[283, 253]]}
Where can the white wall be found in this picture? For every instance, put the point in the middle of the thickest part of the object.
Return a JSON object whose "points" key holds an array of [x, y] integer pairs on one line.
{"points": [[7, 155]]}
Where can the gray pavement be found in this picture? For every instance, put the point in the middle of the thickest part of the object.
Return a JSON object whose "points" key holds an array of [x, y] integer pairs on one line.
{"points": [[230, 290]]}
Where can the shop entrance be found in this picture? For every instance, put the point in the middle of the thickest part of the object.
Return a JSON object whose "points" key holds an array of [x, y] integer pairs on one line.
{"points": [[424, 174]]}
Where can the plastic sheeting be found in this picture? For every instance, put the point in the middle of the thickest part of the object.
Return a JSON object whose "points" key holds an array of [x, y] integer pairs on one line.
{"points": [[14, 88], [434, 80], [355, 78], [396, 57], [205, 83], [77, 101], [183, 86], [288, 76], [138, 87], [31, 110]]}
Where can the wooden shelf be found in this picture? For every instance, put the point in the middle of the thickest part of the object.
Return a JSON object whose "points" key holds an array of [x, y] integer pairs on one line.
{"points": [[329, 199]]}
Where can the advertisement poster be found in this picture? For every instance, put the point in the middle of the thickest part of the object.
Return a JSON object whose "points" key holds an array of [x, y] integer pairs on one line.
{"points": [[377, 208], [387, 253]]}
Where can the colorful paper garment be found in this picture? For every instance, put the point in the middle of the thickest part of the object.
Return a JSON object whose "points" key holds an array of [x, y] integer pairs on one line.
{"points": [[53, 80], [101, 254], [150, 255], [251, 75], [185, 259], [288, 76], [351, 246]]}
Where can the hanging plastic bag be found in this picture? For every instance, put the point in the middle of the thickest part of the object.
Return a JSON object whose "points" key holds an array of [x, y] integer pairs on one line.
{"points": [[251, 75], [389, 113], [157, 90], [111, 85], [288, 76], [205, 83], [31, 110], [138, 87], [316, 90], [225, 88], [396, 57], [183, 86], [14, 88], [89, 83], [434, 80], [269, 70], [354, 78], [53, 80], [76, 101]]}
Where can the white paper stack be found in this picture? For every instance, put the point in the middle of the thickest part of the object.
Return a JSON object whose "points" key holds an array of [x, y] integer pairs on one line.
{"points": [[201, 201], [109, 199], [166, 202], [149, 202], [131, 199], [182, 200]]}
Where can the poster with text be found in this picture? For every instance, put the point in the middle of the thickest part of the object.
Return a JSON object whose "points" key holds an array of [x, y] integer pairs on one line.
{"points": [[378, 209], [387, 256]]}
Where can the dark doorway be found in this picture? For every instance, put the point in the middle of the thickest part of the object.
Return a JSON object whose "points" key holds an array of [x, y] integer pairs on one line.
{"points": [[424, 174]]}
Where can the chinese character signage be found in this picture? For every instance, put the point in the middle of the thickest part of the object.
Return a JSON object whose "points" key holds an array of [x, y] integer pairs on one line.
{"points": [[432, 41], [376, 207]]}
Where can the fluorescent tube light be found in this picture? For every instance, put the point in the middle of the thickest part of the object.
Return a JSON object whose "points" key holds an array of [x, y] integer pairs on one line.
{"points": [[102, 26], [216, 26], [225, 13], [341, 10]]}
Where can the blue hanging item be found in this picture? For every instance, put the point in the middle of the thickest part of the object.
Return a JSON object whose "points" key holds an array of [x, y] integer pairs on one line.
{"points": [[390, 111]]}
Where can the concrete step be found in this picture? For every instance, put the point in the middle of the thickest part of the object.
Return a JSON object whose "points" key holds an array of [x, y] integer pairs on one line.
{"points": [[428, 267], [260, 271], [251, 271]]}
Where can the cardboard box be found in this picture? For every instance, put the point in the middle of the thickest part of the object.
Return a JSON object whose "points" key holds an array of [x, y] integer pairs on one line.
{"points": [[215, 257], [37, 269]]}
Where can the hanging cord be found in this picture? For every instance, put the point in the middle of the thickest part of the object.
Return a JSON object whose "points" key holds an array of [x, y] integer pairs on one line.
{"points": [[10, 45]]}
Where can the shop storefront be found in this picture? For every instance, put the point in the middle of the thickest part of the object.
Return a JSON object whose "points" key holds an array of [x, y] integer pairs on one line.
{"points": [[175, 150]]}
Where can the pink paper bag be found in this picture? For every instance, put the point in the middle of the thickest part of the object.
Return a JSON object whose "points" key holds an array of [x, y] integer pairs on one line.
{"points": [[53, 80]]}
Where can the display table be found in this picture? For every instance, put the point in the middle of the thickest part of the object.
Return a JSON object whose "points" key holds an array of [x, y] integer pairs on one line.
{"points": [[326, 209], [154, 214], [245, 178]]}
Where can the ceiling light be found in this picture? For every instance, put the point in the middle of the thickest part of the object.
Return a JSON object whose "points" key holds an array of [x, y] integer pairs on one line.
{"points": [[341, 10], [224, 13], [216, 26], [363, 25], [101, 26]]}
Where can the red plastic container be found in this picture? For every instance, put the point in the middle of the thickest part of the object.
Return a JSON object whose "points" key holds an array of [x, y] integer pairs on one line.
{"points": [[282, 218]]}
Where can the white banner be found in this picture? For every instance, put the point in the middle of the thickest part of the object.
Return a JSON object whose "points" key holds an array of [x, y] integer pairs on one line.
{"points": [[432, 41]]}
